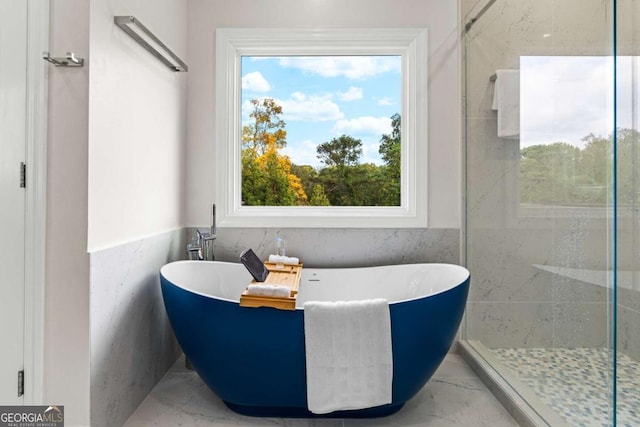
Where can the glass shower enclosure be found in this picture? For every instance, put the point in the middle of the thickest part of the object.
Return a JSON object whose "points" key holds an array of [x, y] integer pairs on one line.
{"points": [[551, 233]]}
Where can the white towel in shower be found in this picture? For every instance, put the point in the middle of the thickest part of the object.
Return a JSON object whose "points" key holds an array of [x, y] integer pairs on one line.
{"points": [[506, 100], [348, 355]]}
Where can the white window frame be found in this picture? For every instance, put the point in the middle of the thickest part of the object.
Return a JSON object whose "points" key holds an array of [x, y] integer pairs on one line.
{"points": [[408, 43]]}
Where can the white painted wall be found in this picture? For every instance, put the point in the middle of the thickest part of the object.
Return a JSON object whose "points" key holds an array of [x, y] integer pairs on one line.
{"points": [[66, 351], [115, 162], [440, 17], [117, 130], [137, 124]]}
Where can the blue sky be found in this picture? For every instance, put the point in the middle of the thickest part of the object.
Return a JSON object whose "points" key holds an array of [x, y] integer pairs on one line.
{"points": [[324, 97]]}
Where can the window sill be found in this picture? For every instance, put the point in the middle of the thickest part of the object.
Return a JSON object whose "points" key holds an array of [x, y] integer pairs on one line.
{"points": [[326, 217]]}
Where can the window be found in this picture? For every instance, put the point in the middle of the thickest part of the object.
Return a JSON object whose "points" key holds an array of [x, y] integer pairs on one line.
{"points": [[302, 190], [566, 127], [321, 130], [566, 130]]}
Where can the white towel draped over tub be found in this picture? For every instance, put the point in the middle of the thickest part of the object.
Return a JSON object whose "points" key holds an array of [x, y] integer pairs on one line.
{"points": [[348, 354], [506, 100]]}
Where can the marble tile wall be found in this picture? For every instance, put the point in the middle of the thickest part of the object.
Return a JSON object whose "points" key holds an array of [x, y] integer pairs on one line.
{"points": [[512, 303], [344, 247], [132, 344], [628, 323]]}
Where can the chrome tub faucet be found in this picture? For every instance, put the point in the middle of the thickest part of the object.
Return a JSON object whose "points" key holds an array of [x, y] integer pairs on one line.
{"points": [[202, 244]]}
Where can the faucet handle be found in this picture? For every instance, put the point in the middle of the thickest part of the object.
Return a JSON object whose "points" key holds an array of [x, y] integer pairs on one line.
{"points": [[204, 236], [203, 244]]}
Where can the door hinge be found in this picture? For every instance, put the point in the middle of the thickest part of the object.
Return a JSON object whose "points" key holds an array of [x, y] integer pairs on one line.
{"points": [[23, 175], [20, 383]]}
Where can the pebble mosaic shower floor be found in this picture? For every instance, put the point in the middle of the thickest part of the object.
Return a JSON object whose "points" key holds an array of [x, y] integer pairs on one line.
{"points": [[573, 382]]}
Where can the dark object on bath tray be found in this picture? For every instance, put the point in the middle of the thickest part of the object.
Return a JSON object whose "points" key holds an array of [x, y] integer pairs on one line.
{"points": [[254, 265]]}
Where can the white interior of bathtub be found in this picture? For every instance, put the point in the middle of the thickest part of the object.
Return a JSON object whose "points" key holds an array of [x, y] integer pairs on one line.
{"points": [[395, 283]]}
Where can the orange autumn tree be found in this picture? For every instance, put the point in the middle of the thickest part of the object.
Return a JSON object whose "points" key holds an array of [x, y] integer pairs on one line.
{"points": [[267, 179]]}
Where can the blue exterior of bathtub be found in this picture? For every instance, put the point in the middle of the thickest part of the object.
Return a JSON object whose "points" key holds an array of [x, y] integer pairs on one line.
{"points": [[254, 358]]}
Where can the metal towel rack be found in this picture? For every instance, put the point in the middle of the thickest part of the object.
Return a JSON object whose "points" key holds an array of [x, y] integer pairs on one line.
{"points": [[149, 41], [69, 61]]}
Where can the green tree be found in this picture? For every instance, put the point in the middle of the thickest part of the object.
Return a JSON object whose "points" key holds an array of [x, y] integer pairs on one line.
{"points": [[308, 176], [340, 152], [595, 158], [267, 179], [318, 196], [628, 159], [368, 182], [253, 180], [334, 186], [562, 174], [594, 170], [390, 150], [548, 173], [340, 155], [390, 144], [266, 127]]}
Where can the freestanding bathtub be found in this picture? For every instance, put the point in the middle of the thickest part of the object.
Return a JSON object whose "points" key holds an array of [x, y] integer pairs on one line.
{"points": [[254, 358]]}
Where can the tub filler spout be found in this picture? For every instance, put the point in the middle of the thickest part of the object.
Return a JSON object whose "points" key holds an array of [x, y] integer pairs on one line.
{"points": [[201, 247]]}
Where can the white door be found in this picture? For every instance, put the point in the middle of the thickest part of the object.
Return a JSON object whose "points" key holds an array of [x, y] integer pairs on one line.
{"points": [[13, 83]]}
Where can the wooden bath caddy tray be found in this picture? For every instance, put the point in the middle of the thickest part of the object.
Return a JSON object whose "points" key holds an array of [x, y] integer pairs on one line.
{"points": [[289, 276]]}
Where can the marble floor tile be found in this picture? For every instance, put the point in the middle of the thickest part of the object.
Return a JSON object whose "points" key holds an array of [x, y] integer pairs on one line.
{"points": [[453, 397]]}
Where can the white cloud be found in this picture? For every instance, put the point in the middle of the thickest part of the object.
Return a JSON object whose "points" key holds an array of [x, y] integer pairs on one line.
{"points": [[563, 99], [385, 102], [312, 108], [303, 154], [366, 125], [255, 82], [354, 93], [247, 108], [370, 153], [301, 107], [351, 67]]}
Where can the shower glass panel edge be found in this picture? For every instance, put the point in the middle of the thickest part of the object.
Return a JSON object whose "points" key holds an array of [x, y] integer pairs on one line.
{"points": [[508, 237]]}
